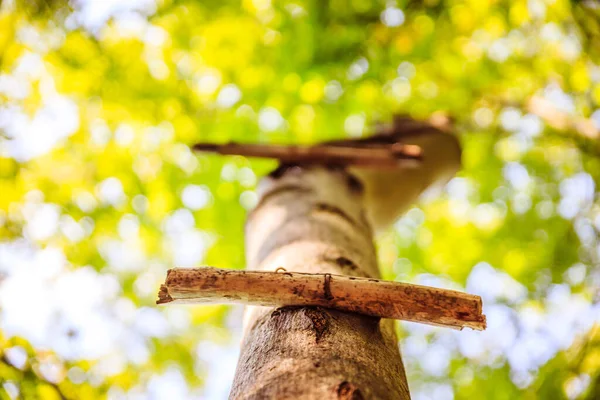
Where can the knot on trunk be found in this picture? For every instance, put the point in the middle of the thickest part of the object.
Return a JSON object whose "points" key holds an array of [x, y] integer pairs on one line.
{"points": [[319, 320], [348, 391]]}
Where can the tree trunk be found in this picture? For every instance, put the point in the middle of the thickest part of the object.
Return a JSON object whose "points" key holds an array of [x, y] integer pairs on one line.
{"points": [[311, 219]]}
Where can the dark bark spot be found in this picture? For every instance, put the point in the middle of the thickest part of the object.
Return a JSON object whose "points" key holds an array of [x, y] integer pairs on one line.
{"points": [[283, 169], [327, 287], [281, 189], [209, 282], [346, 263], [276, 313], [355, 185], [335, 167], [328, 208], [348, 391], [298, 290], [320, 321]]}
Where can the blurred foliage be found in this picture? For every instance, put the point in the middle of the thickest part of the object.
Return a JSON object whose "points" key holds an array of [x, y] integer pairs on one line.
{"points": [[98, 102]]}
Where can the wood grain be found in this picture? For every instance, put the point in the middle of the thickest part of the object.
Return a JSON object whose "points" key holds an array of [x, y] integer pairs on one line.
{"points": [[374, 297]]}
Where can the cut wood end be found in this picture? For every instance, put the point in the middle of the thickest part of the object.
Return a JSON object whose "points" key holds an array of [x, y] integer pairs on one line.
{"points": [[163, 294], [442, 121]]}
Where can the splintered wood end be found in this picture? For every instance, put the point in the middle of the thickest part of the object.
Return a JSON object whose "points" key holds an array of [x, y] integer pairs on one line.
{"points": [[163, 295]]}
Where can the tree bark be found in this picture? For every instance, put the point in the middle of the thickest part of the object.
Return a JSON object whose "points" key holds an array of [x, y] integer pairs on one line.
{"points": [[311, 219]]}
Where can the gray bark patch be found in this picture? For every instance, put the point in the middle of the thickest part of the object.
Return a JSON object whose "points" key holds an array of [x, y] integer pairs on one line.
{"points": [[328, 208]]}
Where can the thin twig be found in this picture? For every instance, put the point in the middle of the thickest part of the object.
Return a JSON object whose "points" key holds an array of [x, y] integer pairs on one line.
{"points": [[385, 299]]}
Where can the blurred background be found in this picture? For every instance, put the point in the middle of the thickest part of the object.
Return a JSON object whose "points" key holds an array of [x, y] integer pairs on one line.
{"points": [[100, 194]]}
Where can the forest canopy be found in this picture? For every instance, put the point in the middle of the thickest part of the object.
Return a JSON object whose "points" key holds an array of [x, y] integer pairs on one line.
{"points": [[100, 193]]}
